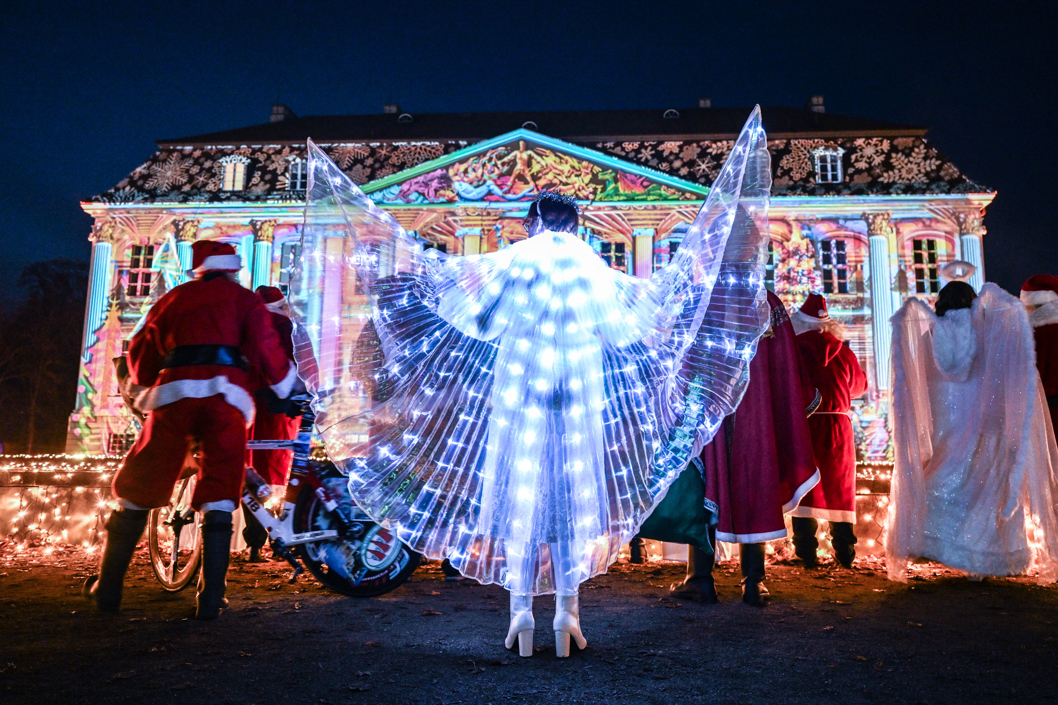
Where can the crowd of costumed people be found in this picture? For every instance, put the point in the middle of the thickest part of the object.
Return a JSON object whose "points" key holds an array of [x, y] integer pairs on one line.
{"points": [[531, 411]]}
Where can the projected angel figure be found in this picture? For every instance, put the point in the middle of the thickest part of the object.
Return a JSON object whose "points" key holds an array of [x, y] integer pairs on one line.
{"points": [[537, 404]]}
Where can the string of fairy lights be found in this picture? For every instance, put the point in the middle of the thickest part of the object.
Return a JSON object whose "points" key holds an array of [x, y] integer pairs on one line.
{"points": [[55, 499]]}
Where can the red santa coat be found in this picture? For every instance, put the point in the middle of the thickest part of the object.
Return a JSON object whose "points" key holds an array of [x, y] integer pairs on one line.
{"points": [[760, 464], [274, 465], [210, 402], [836, 373], [1047, 363]]}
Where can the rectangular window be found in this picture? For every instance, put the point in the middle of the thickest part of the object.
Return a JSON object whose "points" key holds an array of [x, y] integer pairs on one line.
{"points": [[288, 257], [927, 274], [298, 176], [834, 266], [614, 254], [439, 246], [234, 176], [828, 168], [138, 275], [664, 252], [120, 443]]}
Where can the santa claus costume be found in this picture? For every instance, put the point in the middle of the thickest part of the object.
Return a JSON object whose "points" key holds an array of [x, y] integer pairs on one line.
{"points": [[760, 463], [273, 466], [1039, 293], [193, 354], [836, 373]]}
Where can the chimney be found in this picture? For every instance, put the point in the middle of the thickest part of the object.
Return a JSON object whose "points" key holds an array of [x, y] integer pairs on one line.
{"points": [[815, 104], [391, 109], [281, 112], [705, 102]]}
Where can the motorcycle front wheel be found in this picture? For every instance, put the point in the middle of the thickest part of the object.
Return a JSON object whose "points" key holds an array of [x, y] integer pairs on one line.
{"points": [[174, 538], [372, 564]]}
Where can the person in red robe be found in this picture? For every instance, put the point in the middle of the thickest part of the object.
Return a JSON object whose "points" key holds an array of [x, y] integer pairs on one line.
{"points": [[760, 463], [1039, 293], [273, 466], [193, 355], [836, 373]]}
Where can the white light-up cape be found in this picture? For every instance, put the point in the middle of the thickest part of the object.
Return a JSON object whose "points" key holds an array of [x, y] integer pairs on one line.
{"points": [[521, 412], [975, 483]]}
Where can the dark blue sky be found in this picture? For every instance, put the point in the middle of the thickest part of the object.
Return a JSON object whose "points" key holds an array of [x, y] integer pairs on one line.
{"points": [[87, 87]]}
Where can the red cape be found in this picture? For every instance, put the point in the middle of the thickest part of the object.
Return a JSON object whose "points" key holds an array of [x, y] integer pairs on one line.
{"points": [[1047, 363], [760, 463], [837, 374]]}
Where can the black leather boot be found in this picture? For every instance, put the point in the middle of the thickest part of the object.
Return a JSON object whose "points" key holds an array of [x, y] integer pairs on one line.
{"points": [[253, 534], [637, 551], [805, 541], [216, 552], [124, 529], [751, 556], [698, 586], [843, 539]]}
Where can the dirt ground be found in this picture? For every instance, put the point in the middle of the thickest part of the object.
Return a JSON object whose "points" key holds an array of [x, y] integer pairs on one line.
{"points": [[829, 636]]}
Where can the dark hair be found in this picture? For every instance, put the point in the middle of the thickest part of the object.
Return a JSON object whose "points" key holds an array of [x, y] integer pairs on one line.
{"points": [[954, 295], [556, 212]]}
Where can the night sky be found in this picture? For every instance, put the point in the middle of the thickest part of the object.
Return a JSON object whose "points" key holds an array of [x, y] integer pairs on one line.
{"points": [[87, 87]]}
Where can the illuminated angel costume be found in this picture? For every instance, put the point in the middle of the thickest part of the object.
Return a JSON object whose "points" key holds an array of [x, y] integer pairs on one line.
{"points": [[537, 404], [975, 485]]}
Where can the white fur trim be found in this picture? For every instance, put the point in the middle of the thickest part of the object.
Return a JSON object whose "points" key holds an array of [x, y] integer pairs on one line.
{"points": [[283, 387], [824, 514], [170, 392], [282, 307], [1044, 314], [802, 323], [804, 489], [1038, 298], [223, 505], [955, 343], [224, 263], [751, 538]]}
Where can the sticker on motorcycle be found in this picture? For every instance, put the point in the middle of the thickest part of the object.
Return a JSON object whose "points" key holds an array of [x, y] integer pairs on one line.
{"points": [[379, 549]]}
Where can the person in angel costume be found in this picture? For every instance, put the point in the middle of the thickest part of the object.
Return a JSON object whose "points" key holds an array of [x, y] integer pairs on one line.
{"points": [[836, 373], [539, 403], [974, 483], [1039, 293], [760, 463]]}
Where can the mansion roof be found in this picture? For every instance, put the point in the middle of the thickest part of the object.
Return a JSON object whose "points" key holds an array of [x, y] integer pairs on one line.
{"points": [[689, 145]]}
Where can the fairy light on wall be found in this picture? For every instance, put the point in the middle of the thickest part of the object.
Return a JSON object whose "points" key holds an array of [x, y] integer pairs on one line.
{"points": [[55, 499]]}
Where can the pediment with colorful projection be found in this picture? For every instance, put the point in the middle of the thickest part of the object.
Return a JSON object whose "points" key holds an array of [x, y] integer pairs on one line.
{"points": [[519, 165]]}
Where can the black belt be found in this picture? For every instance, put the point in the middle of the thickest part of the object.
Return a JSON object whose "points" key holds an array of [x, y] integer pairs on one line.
{"points": [[194, 355]]}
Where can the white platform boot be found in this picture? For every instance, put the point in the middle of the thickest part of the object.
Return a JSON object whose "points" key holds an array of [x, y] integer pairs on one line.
{"points": [[567, 624], [522, 625]]}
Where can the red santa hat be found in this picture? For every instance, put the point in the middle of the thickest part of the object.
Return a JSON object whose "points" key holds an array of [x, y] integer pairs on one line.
{"points": [[1039, 289], [211, 256], [273, 299], [813, 315]]}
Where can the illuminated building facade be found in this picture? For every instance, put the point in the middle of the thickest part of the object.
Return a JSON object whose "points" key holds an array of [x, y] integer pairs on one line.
{"points": [[865, 211]]}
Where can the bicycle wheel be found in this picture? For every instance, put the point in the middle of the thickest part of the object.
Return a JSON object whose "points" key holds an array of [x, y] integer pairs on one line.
{"points": [[174, 539], [371, 565]]}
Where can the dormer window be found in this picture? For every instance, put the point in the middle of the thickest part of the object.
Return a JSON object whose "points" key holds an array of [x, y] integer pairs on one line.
{"points": [[298, 176], [234, 172], [828, 165]]}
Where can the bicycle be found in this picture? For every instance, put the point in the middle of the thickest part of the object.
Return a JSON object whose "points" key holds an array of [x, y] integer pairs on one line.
{"points": [[318, 527]]}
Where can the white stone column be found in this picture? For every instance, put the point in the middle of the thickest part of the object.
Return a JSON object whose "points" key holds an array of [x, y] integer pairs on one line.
{"points": [[971, 229], [99, 275], [643, 252], [880, 231], [263, 237], [185, 230]]}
